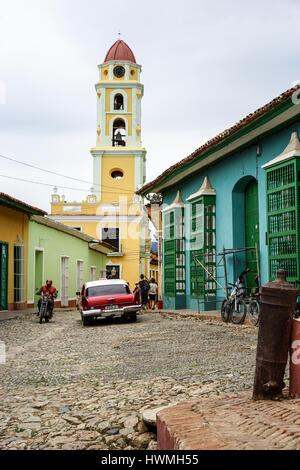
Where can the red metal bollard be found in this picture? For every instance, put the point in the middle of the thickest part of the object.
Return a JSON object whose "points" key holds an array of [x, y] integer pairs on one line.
{"points": [[295, 360], [278, 302]]}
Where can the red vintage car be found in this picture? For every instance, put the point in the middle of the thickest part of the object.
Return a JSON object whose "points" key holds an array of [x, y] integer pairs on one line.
{"points": [[107, 298]]}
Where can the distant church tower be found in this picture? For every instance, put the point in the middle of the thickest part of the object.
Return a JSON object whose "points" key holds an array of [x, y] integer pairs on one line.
{"points": [[112, 211]]}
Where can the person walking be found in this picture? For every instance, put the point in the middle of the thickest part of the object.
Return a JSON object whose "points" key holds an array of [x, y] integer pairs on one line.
{"points": [[136, 291], [153, 291], [144, 288]]}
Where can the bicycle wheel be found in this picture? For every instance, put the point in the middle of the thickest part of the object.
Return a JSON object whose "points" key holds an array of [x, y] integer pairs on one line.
{"points": [[254, 311], [225, 311], [239, 312]]}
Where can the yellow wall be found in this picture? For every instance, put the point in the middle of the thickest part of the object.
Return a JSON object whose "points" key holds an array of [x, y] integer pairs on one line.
{"points": [[112, 188], [13, 224], [133, 73], [104, 73], [111, 116], [130, 246], [129, 98]]}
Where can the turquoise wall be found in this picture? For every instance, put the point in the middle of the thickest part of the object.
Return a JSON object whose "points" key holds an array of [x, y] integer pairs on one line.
{"points": [[229, 178], [56, 244]]}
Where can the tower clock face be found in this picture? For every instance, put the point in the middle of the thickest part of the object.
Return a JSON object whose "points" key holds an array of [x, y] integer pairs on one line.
{"points": [[119, 71]]}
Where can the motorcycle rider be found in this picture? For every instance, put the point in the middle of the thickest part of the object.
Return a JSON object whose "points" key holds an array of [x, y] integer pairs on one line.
{"points": [[50, 290]]}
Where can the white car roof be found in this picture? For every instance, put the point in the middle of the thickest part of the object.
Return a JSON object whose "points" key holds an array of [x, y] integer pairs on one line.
{"points": [[104, 282]]}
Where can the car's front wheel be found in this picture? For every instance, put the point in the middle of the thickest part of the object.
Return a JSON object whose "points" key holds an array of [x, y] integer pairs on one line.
{"points": [[130, 318], [85, 321]]}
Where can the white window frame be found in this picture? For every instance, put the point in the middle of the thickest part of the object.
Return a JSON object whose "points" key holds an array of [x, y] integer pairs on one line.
{"points": [[120, 235], [22, 273], [36, 248], [125, 101], [79, 274], [64, 301], [93, 273], [117, 265]]}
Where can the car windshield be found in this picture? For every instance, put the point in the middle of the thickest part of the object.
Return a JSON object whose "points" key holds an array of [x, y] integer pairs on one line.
{"points": [[109, 289]]}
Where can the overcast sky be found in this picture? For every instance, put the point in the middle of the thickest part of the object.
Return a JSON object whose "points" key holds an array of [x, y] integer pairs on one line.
{"points": [[206, 64]]}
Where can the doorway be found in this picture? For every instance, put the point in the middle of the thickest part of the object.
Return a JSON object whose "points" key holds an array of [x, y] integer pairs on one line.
{"points": [[3, 276], [38, 276], [251, 229], [64, 269], [245, 217]]}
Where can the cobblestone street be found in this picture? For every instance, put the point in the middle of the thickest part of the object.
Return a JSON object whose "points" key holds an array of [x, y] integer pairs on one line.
{"points": [[65, 386]]}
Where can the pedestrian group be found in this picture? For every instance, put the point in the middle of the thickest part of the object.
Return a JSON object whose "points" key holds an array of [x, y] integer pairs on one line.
{"points": [[146, 293]]}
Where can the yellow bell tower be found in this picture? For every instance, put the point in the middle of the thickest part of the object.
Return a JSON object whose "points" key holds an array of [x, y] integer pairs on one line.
{"points": [[112, 212], [119, 159]]}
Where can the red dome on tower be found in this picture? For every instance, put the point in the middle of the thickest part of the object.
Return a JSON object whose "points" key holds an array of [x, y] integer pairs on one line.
{"points": [[120, 51]]}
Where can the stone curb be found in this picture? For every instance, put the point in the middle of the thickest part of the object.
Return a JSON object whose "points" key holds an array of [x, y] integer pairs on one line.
{"points": [[199, 317]]}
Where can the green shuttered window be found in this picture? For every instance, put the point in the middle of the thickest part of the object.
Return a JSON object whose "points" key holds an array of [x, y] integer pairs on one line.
{"points": [[203, 247], [174, 253], [282, 183]]}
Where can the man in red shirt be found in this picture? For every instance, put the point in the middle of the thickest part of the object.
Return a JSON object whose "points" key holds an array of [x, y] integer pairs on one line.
{"points": [[49, 290]]}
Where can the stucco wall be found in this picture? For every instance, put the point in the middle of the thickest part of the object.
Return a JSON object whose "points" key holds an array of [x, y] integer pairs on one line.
{"points": [[224, 176], [54, 245], [13, 229]]}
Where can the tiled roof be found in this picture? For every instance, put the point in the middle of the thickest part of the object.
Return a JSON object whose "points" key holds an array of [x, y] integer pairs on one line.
{"points": [[120, 51], [96, 244], [210, 144], [20, 205]]}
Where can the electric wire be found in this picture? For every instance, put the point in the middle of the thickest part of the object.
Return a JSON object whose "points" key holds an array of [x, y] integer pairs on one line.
{"points": [[57, 174], [61, 187]]}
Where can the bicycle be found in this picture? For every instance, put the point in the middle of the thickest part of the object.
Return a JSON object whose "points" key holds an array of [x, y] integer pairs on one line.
{"points": [[234, 308], [254, 309]]}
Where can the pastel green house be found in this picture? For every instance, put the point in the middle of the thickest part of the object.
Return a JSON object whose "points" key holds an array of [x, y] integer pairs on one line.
{"points": [[239, 192], [68, 257]]}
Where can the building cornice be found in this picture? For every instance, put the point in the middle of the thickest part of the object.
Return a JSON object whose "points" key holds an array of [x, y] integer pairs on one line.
{"points": [[97, 218]]}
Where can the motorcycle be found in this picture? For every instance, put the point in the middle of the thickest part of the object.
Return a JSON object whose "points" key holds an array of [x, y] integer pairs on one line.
{"points": [[45, 310]]}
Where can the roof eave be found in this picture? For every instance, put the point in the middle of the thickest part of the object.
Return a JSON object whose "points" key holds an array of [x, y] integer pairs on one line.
{"points": [[221, 141]]}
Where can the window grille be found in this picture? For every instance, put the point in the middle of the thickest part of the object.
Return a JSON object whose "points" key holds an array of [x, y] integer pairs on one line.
{"points": [[283, 219], [174, 253], [203, 245]]}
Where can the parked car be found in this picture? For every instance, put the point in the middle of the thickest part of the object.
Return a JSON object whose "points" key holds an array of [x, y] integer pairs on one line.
{"points": [[107, 298]]}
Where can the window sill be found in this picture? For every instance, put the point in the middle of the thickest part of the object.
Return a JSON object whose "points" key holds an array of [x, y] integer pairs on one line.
{"points": [[120, 253]]}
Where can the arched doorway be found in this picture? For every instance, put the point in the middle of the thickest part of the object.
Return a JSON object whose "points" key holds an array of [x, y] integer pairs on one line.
{"points": [[245, 216], [251, 229]]}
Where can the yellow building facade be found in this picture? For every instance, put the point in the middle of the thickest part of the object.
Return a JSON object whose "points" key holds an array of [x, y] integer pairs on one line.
{"points": [[112, 211], [14, 220]]}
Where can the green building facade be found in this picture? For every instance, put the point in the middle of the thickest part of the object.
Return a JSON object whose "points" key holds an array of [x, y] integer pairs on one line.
{"points": [[68, 257], [248, 204]]}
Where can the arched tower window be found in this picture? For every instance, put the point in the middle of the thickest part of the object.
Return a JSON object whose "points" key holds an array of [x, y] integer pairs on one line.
{"points": [[119, 133], [119, 102]]}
